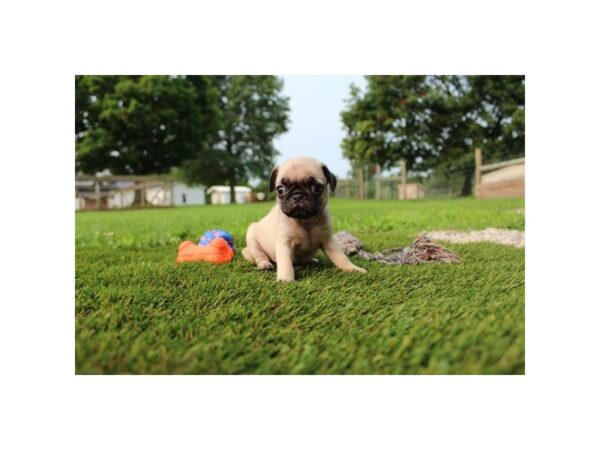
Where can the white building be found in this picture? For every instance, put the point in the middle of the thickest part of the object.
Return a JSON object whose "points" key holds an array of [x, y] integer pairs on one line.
{"points": [[221, 195], [161, 196], [188, 195], [121, 199], [114, 192], [182, 193]]}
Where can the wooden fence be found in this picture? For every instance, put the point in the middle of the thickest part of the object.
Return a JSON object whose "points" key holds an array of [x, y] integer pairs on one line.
{"points": [[120, 192], [378, 187], [500, 179]]}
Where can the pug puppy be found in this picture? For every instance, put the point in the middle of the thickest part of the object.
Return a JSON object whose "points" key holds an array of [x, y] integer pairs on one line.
{"points": [[299, 224]]}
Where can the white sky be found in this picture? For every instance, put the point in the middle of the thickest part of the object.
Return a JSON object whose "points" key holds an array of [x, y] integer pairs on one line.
{"points": [[316, 128]]}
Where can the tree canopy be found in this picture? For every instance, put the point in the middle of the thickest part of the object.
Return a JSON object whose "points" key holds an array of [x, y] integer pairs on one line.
{"points": [[141, 124], [252, 113], [435, 121], [215, 129]]}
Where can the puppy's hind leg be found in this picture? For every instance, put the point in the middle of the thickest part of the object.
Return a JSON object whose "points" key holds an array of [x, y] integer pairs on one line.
{"points": [[258, 257], [246, 253], [253, 253]]}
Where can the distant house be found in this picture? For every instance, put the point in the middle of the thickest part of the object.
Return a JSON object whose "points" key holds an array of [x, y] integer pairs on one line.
{"points": [[221, 195]]}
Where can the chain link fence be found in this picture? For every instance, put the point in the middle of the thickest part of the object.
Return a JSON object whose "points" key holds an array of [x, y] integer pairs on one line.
{"points": [[394, 187], [500, 178]]}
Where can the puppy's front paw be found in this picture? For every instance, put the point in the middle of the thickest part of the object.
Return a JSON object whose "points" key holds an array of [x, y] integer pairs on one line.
{"points": [[285, 278], [354, 268], [265, 264]]}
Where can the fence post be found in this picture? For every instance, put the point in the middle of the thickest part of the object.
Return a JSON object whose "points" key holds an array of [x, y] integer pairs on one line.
{"points": [[97, 191], [478, 159], [366, 182], [143, 193], [403, 174], [377, 182], [360, 183], [172, 186]]}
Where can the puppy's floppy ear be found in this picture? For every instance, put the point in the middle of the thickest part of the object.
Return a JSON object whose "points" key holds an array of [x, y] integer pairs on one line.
{"points": [[273, 178], [331, 179]]}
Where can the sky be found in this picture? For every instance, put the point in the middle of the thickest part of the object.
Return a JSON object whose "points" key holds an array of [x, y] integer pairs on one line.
{"points": [[315, 125]]}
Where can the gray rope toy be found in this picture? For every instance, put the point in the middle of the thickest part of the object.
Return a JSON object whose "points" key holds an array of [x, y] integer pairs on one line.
{"points": [[422, 250]]}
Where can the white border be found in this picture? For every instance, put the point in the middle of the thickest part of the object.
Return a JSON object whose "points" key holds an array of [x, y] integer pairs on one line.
{"points": [[46, 43]]}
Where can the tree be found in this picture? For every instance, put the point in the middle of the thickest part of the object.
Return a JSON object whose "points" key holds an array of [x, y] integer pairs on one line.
{"points": [[373, 120], [252, 113], [141, 124], [435, 121], [497, 105]]}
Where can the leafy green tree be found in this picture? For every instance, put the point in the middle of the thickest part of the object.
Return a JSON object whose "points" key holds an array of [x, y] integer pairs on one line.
{"points": [[434, 122], [141, 124], [497, 105], [253, 112], [380, 121]]}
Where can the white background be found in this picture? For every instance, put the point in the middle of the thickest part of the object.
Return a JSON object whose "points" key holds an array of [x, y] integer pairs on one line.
{"points": [[44, 405]]}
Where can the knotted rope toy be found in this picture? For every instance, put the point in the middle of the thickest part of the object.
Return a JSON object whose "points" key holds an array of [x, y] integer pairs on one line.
{"points": [[422, 250]]}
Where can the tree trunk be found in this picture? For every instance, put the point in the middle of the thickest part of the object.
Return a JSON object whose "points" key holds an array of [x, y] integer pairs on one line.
{"points": [[139, 170], [137, 200], [232, 177], [232, 191], [467, 188]]}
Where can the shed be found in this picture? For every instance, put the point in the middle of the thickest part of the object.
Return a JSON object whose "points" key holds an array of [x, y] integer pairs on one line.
{"points": [[188, 195], [221, 195], [411, 191]]}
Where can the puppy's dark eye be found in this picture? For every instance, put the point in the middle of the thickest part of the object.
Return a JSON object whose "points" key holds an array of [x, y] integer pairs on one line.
{"points": [[316, 188], [280, 190]]}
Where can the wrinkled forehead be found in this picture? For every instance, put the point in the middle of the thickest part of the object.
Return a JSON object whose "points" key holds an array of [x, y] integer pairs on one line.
{"points": [[298, 173]]}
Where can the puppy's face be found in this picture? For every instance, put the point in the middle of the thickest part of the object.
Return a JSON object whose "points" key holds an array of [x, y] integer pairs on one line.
{"points": [[301, 186]]}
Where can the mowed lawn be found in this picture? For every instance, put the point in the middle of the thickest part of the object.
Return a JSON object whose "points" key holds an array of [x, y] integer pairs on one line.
{"points": [[138, 312]]}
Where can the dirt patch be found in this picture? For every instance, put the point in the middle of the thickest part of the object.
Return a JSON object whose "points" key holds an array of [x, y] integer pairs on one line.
{"points": [[515, 238]]}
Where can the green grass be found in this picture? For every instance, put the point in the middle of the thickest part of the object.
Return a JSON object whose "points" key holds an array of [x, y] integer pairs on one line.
{"points": [[139, 312]]}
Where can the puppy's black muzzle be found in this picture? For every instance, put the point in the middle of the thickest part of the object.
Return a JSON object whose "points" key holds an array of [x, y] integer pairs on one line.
{"points": [[297, 195]]}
